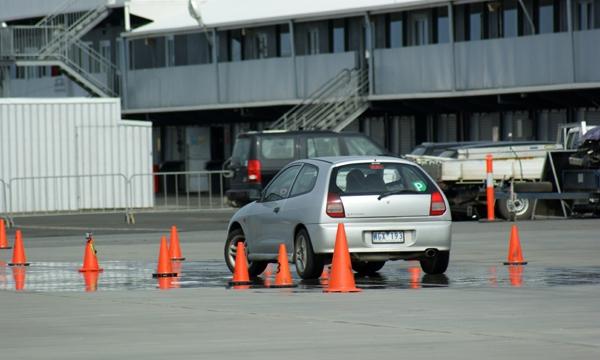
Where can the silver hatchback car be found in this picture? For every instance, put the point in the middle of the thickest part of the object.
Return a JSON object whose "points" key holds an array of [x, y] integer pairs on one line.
{"points": [[391, 210]]}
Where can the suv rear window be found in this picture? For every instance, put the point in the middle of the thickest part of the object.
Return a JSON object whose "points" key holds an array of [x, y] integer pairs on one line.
{"points": [[377, 178], [277, 148]]}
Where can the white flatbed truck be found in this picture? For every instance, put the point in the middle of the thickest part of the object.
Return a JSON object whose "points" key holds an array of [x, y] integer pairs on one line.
{"points": [[523, 173]]}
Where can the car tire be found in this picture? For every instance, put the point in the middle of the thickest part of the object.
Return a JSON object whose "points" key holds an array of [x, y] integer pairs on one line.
{"points": [[523, 208], [235, 236], [437, 264], [308, 264], [367, 267]]}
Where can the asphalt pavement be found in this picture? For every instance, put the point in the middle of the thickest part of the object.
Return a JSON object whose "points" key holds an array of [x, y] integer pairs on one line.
{"points": [[481, 309]]}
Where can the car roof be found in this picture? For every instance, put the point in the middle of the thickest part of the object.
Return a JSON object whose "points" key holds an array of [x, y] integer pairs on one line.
{"points": [[342, 160]]}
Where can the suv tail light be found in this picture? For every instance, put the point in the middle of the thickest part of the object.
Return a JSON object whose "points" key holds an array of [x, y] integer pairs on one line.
{"points": [[438, 207], [254, 173], [335, 207]]}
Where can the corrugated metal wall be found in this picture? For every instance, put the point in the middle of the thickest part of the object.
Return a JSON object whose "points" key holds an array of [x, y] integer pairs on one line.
{"points": [[71, 154]]}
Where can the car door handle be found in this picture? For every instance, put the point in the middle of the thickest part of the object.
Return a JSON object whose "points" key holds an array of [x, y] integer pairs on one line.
{"points": [[276, 210]]}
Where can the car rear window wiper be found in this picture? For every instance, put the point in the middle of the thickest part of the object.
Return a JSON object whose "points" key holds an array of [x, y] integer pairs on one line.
{"points": [[396, 192]]}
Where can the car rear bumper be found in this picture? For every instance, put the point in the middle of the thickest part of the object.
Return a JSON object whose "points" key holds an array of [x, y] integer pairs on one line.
{"points": [[418, 236], [243, 195]]}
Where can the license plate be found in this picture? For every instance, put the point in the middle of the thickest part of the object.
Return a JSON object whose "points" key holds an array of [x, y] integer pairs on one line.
{"points": [[386, 237]]}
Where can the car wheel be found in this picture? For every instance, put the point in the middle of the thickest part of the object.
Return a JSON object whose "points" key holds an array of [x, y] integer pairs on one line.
{"points": [[235, 236], [308, 264], [522, 208], [367, 267], [437, 264]]}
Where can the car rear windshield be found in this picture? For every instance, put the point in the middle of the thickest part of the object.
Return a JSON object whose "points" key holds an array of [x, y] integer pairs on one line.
{"points": [[379, 178], [241, 151]]}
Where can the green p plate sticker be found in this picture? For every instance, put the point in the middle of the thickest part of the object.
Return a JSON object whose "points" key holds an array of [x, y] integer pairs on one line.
{"points": [[420, 186]]}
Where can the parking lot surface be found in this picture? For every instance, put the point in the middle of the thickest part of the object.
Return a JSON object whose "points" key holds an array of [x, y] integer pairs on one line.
{"points": [[479, 309]]}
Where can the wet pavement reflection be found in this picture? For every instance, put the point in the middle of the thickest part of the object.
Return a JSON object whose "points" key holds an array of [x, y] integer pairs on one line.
{"points": [[131, 275]]}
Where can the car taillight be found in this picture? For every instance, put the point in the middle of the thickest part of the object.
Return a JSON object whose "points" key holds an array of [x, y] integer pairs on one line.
{"points": [[254, 173], [335, 207], [438, 207]]}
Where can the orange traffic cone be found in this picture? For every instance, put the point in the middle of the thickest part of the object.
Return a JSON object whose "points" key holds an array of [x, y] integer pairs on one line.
{"points": [[283, 277], [515, 255], [240, 273], [164, 268], [91, 280], [19, 278], [3, 242], [174, 249], [90, 261], [19, 258], [341, 278]]}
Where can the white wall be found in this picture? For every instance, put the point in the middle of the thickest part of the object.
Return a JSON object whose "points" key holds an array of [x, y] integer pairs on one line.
{"points": [[71, 154]]}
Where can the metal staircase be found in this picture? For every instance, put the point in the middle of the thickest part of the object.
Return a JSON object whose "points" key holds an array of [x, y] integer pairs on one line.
{"points": [[55, 41], [331, 107]]}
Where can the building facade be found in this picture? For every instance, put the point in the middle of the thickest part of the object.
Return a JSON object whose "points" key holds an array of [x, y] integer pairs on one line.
{"points": [[437, 70]]}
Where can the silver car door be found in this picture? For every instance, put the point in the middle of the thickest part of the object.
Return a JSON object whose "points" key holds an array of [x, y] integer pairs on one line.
{"points": [[268, 226], [299, 207]]}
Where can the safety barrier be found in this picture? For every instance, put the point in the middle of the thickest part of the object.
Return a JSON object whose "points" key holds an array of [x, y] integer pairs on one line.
{"points": [[112, 193], [181, 191]]}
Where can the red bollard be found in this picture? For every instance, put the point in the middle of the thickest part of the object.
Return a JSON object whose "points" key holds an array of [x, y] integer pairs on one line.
{"points": [[489, 162]]}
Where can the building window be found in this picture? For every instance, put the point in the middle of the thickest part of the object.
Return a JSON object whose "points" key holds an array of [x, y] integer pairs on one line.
{"points": [[545, 15], [147, 53], [420, 30], [510, 23], [261, 46], [312, 41], [338, 36], [475, 21], [192, 49], [236, 45], [395, 31], [442, 25], [494, 19], [170, 51], [584, 15], [284, 48]]}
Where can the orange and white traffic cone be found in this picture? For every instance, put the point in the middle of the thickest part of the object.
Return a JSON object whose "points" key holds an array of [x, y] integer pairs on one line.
{"points": [[19, 258], [341, 278], [174, 249], [90, 261], [164, 268], [515, 254], [283, 277], [3, 240], [240, 272]]}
